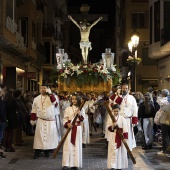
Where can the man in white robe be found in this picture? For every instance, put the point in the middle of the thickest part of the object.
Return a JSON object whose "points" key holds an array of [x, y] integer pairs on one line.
{"points": [[129, 110], [43, 116]]}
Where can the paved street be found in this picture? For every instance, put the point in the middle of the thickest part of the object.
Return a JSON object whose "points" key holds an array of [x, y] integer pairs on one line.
{"points": [[94, 158]]}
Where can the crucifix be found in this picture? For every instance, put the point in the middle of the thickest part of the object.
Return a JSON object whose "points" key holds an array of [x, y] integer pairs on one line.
{"points": [[85, 27]]}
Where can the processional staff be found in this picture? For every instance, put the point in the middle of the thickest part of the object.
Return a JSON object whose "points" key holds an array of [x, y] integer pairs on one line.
{"points": [[68, 130], [119, 132]]}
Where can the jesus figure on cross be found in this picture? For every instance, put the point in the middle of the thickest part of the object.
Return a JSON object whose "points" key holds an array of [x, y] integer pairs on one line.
{"points": [[85, 44]]}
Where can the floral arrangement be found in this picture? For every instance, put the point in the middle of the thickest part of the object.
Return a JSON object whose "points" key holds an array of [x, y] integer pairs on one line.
{"points": [[90, 74]]}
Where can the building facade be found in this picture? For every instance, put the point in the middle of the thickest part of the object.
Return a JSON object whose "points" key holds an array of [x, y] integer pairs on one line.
{"points": [[30, 32], [159, 44], [134, 15]]}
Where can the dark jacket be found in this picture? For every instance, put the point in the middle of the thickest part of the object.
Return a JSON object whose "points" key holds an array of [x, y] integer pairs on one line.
{"points": [[11, 113], [2, 111], [22, 112], [142, 114]]}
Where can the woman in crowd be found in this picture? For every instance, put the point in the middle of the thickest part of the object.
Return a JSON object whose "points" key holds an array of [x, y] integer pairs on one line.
{"points": [[146, 114]]}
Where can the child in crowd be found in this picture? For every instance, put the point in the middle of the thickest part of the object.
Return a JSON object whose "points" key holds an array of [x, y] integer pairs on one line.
{"points": [[72, 149], [117, 154]]}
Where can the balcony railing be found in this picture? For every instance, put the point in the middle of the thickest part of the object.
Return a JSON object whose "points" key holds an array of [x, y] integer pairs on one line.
{"points": [[165, 34], [11, 25], [20, 41]]}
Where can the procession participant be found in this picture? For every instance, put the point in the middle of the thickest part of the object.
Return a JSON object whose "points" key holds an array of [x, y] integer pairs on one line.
{"points": [[101, 109], [72, 149], [115, 98], [64, 103], [91, 109], [57, 113], [87, 121], [43, 115], [117, 153], [129, 110]]}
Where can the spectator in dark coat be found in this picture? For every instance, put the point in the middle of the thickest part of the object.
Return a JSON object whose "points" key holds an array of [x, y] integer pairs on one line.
{"points": [[21, 110], [11, 114], [2, 118]]}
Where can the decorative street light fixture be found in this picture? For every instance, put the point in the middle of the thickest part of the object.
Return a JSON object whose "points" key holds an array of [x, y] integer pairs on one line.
{"points": [[133, 60]]}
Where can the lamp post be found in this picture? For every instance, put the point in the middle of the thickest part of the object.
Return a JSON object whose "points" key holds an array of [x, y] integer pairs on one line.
{"points": [[133, 60]]}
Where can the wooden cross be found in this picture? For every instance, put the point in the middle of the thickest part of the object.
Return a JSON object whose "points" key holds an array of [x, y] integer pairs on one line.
{"points": [[89, 17]]}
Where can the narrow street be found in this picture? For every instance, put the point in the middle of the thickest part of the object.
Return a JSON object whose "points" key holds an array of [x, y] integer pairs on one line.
{"points": [[94, 157]]}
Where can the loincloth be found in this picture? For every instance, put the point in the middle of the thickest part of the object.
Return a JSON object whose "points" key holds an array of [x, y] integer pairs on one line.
{"points": [[85, 44]]}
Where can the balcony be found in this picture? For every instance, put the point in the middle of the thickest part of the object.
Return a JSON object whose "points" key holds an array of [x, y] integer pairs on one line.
{"points": [[11, 40], [41, 49], [48, 30], [161, 49], [165, 38]]}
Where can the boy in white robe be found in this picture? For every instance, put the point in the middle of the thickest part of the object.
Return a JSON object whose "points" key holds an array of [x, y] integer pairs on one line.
{"points": [[72, 149], [117, 153]]}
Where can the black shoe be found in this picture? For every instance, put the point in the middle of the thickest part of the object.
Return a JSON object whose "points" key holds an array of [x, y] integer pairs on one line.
{"points": [[112, 169], [35, 156], [47, 155], [83, 145], [90, 134], [65, 168], [145, 148], [74, 168], [150, 146], [2, 156]]}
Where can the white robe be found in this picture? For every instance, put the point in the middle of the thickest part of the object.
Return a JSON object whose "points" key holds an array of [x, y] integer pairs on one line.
{"points": [[72, 154], [58, 117], [46, 132], [129, 109], [85, 125], [117, 157], [63, 105]]}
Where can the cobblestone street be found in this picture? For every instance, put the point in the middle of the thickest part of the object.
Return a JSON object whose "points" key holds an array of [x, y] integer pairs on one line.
{"points": [[94, 158]]}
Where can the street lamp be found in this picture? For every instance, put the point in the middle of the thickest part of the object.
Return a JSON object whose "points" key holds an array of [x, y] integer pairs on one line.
{"points": [[133, 60]]}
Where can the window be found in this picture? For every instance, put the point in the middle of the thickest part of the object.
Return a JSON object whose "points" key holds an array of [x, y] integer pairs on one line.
{"points": [[166, 13], [139, 20], [23, 29], [47, 46], [33, 31], [151, 24], [157, 21], [53, 54]]}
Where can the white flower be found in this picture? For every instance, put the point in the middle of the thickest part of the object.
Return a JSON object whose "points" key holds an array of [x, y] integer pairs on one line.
{"points": [[66, 71]]}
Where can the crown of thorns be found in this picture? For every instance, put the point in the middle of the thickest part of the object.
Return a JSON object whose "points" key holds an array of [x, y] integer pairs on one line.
{"points": [[84, 22]]}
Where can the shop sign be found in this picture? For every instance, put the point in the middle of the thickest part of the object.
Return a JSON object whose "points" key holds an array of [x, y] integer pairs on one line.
{"points": [[31, 75]]}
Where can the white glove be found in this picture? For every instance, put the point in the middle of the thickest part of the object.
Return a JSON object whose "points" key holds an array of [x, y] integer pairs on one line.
{"points": [[48, 90], [33, 122]]}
